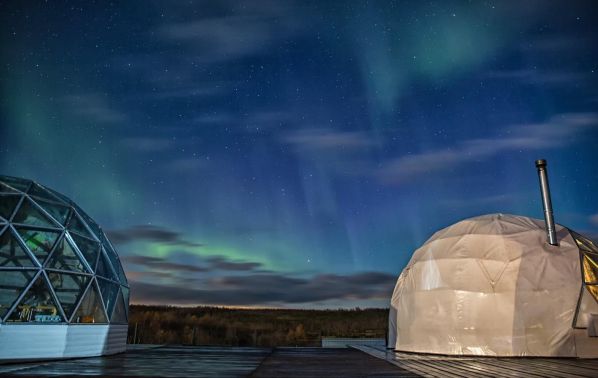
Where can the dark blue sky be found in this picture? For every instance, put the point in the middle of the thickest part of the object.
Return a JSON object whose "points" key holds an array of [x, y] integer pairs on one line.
{"points": [[279, 153]]}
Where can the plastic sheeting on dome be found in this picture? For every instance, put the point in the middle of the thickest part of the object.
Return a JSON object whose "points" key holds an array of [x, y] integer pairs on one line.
{"points": [[57, 269], [492, 285]]}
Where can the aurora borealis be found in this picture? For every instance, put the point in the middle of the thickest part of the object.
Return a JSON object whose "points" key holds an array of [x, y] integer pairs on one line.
{"points": [[280, 153]]}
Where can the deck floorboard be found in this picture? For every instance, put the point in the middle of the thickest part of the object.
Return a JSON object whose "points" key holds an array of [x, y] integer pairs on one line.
{"points": [[453, 366]]}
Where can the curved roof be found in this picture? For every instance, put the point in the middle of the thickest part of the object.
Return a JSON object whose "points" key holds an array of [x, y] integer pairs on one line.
{"points": [[56, 263], [491, 285]]}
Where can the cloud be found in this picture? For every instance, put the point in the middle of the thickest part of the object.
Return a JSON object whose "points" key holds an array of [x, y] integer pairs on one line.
{"points": [[556, 132], [535, 76], [323, 140], [341, 152], [221, 263], [269, 289], [148, 233], [93, 107], [594, 219], [162, 265], [187, 262], [251, 29]]}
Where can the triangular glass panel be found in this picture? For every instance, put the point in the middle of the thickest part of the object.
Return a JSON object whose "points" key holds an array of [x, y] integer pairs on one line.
{"points": [[12, 252], [585, 243], [37, 305], [39, 242], [90, 310], [8, 202], [590, 269], [16, 183], [60, 213], [111, 253], [104, 268], [88, 248], [62, 197], [120, 314], [39, 191], [29, 214], [593, 289], [64, 257], [109, 292], [12, 284], [68, 288], [125, 291], [91, 224], [7, 189], [76, 225]]}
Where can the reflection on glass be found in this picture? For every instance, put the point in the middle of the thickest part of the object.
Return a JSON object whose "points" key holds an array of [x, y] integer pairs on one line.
{"points": [[111, 253], [39, 242], [41, 192], [17, 183], [65, 258], [68, 288], [76, 225], [7, 189], [12, 284], [90, 310], [104, 268], [37, 305], [58, 212], [89, 249], [93, 226], [585, 243], [120, 315], [31, 215], [593, 289], [11, 251], [7, 205], [109, 294], [590, 269]]}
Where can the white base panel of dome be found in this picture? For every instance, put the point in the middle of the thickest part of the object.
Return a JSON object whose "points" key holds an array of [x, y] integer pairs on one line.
{"points": [[51, 341]]}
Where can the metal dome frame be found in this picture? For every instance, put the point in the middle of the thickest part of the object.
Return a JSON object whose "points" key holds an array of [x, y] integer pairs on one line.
{"points": [[49, 242]]}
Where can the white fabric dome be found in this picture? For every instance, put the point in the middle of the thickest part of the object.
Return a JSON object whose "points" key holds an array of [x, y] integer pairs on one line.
{"points": [[492, 285]]}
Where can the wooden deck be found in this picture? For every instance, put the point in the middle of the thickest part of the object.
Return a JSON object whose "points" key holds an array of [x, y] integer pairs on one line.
{"points": [[427, 365], [359, 361], [326, 362]]}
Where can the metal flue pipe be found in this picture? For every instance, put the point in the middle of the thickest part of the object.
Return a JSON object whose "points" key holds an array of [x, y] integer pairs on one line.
{"points": [[546, 202]]}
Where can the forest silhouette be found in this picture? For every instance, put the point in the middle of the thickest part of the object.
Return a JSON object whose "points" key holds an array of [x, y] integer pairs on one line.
{"points": [[250, 327]]}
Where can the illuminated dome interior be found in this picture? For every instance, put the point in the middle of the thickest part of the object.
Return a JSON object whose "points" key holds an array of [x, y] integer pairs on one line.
{"points": [[56, 263]]}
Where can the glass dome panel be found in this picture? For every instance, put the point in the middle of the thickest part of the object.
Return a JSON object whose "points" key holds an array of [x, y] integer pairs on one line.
{"points": [[12, 253], [12, 284], [91, 309], [37, 305]]}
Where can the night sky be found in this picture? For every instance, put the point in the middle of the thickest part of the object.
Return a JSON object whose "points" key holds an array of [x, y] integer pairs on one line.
{"points": [[294, 154]]}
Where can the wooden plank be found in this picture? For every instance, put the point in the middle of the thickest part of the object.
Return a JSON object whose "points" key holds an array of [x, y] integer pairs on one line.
{"points": [[471, 366]]}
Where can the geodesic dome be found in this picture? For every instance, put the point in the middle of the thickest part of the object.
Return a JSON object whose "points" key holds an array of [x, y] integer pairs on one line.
{"points": [[57, 269], [492, 285]]}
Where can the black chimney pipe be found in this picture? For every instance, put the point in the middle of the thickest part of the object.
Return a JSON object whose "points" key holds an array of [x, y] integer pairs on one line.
{"points": [[546, 202]]}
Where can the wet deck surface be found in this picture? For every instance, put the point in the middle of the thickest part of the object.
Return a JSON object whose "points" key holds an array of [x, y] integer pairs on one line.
{"points": [[170, 361], [451, 366], [163, 361], [216, 362], [325, 362]]}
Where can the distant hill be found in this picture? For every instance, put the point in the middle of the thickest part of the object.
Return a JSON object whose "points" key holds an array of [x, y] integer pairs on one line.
{"points": [[250, 327]]}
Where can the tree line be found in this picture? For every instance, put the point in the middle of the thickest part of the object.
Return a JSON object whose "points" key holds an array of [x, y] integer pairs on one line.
{"points": [[250, 327]]}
